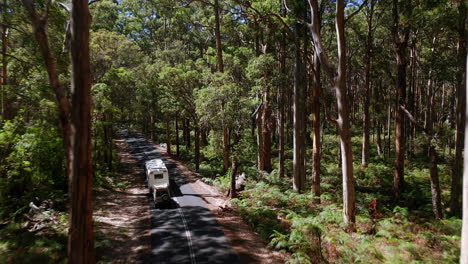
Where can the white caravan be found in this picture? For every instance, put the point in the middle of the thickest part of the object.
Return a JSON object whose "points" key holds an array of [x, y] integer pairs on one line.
{"points": [[157, 177]]}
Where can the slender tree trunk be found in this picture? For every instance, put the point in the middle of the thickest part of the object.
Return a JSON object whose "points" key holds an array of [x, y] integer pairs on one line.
{"points": [[398, 179], [457, 170], [349, 207], [5, 94], [410, 131], [434, 171], [428, 133], [377, 98], [233, 192], [366, 118], [435, 185], [400, 43], [299, 118], [260, 157], [39, 31], [281, 109], [379, 139], [226, 148], [168, 137], [177, 136], [80, 240], [188, 134], [106, 139], [316, 154], [204, 136], [197, 147], [266, 131], [219, 49], [464, 235], [343, 122], [219, 54], [153, 134], [185, 131]]}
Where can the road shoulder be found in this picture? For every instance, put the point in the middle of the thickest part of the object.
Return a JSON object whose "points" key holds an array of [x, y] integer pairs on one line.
{"points": [[122, 216]]}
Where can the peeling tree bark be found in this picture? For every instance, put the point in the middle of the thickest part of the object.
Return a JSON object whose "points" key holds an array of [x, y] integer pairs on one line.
{"points": [[80, 239]]}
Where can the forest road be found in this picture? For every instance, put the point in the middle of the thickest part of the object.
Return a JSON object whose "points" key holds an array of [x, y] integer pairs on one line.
{"points": [[185, 231]]}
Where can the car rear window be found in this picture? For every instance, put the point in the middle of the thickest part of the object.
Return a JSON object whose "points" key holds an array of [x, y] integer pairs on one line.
{"points": [[158, 175]]}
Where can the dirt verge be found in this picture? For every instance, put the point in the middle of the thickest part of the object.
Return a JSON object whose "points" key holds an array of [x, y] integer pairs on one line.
{"points": [[122, 216]]}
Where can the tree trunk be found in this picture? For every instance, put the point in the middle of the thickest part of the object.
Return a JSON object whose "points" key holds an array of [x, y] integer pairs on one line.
{"points": [[389, 124], [366, 118], [219, 55], [153, 134], [226, 148], [266, 131], [204, 135], [219, 49], [428, 133], [168, 137], [188, 134], [80, 239], [379, 139], [39, 31], [435, 186], [233, 192], [455, 192], [349, 206], [400, 44], [260, 157], [5, 94], [299, 118], [464, 235], [316, 155], [197, 147], [281, 109], [177, 136], [343, 122]]}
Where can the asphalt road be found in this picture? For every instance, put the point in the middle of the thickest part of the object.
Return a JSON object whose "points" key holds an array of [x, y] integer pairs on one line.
{"points": [[184, 231]]}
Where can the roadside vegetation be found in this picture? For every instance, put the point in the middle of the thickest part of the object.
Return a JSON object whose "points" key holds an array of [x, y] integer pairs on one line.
{"points": [[387, 232]]}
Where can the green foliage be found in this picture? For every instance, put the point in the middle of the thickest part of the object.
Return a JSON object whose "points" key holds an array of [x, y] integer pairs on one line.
{"points": [[18, 246], [32, 161], [262, 219]]}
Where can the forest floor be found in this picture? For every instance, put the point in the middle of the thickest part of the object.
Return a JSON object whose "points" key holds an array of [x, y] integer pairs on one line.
{"points": [[123, 218]]}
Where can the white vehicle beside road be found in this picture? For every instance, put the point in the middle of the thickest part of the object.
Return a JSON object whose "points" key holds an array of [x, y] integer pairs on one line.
{"points": [[157, 177]]}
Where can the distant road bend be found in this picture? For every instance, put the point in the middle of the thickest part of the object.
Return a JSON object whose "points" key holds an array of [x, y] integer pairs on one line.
{"points": [[185, 231]]}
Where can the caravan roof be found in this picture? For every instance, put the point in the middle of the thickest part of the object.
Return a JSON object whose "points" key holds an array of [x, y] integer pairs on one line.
{"points": [[155, 165]]}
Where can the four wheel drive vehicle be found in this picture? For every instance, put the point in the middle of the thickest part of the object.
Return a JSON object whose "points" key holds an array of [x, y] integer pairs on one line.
{"points": [[157, 177]]}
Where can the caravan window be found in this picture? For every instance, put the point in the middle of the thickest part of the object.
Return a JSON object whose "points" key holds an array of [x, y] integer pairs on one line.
{"points": [[158, 175]]}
